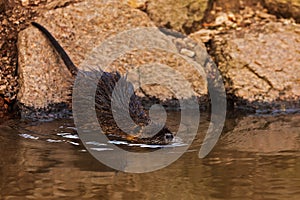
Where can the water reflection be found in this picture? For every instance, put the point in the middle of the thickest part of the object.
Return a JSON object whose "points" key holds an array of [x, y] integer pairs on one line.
{"points": [[255, 158]]}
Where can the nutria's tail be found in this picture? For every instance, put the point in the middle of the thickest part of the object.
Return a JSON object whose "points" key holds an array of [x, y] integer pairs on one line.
{"points": [[68, 62]]}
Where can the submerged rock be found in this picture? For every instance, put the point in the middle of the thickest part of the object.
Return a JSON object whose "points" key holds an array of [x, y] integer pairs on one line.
{"points": [[263, 134]]}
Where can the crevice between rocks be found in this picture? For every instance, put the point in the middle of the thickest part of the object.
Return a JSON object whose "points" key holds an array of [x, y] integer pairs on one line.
{"points": [[259, 76]]}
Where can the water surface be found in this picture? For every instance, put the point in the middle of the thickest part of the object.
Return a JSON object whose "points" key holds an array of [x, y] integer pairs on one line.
{"points": [[257, 157]]}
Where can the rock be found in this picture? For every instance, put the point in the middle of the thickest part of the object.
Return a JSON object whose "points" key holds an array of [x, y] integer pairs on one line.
{"points": [[261, 63], [42, 74], [284, 8], [203, 35], [59, 3], [232, 7], [221, 19], [2, 5], [228, 15], [226, 5], [44, 79], [139, 4], [187, 52], [25, 2], [177, 14], [13, 18]]}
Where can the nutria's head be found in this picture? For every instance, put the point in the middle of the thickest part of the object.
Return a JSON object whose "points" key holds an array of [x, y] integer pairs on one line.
{"points": [[164, 136]]}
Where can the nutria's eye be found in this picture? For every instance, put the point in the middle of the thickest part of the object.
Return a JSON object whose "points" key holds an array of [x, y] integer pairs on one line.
{"points": [[168, 136]]}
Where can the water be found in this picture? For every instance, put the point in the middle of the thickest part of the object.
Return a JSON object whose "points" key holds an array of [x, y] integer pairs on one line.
{"points": [[257, 157]]}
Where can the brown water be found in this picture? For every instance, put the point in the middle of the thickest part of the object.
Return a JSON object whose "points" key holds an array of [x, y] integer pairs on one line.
{"points": [[257, 157]]}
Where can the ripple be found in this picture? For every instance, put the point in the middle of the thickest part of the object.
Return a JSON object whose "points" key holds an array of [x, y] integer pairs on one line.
{"points": [[68, 135], [54, 141], [101, 149], [27, 136], [176, 143]]}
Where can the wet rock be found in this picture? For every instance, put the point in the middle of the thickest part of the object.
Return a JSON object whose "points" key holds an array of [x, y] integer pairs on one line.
{"points": [[178, 15], [44, 79], [284, 8], [261, 63]]}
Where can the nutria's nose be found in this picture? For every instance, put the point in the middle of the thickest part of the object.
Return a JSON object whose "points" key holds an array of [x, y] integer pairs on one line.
{"points": [[168, 137]]}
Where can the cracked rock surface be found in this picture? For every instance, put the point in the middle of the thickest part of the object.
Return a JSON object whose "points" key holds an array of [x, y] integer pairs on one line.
{"points": [[261, 63]]}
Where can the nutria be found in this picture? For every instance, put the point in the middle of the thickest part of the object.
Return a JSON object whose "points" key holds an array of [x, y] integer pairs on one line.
{"points": [[105, 87]]}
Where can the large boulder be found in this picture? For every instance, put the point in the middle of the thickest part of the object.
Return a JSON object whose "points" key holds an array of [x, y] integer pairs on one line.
{"points": [[284, 8], [80, 28], [261, 64]]}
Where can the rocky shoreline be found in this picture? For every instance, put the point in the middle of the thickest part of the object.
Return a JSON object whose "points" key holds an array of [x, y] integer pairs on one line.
{"points": [[257, 52]]}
